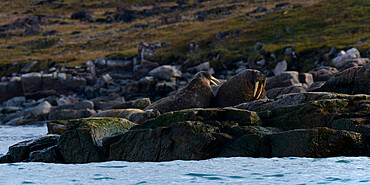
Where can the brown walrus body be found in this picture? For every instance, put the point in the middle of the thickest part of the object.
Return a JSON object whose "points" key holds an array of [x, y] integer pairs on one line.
{"points": [[197, 94], [246, 86]]}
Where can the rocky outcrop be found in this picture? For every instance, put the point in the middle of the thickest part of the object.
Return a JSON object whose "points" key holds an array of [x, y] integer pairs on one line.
{"points": [[310, 124], [351, 81]]}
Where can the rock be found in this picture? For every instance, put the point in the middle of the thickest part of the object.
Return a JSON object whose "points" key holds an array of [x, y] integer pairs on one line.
{"points": [[181, 141], [280, 68], [139, 104], [85, 104], [144, 67], [15, 102], [47, 155], [248, 141], [165, 72], [344, 57], [164, 88], [82, 141], [20, 151], [134, 115], [41, 109], [201, 67], [275, 92], [285, 79], [3, 91], [82, 15], [120, 64], [27, 68], [107, 104], [65, 114], [243, 117], [306, 79], [57, 127], [308, 110], [31, 82], [318, 142], [350, 81], [323, 73], [100, 62]]}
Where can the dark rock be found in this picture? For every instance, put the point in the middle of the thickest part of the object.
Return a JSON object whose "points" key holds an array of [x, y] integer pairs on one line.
{"points": [[275, 92], [27, 68], [164, 88], [82, 15], [51, 32], [76, 146], [65, 114], [5, 159], [120, 64], [248, 141], [323, 74], [308, 110], [57, 127], [144, 67], [31, 82], [85, 104], [20, 151], [138, 104], [351, 81], [318, 142], [181, 141], [222, 34], [285, 79], [82, 142], [165, 72], [47, 155]]}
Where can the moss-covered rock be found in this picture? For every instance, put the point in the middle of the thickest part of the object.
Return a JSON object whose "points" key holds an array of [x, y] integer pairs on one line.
{"points": [[82, 142]]}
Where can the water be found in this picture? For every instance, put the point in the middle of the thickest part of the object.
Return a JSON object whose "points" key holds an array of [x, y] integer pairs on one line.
{"points": [[339, 170]]}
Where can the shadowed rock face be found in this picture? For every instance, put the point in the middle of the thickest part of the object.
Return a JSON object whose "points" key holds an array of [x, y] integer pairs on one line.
{"points": [[351, 81], [241, 88], [197, 94]]}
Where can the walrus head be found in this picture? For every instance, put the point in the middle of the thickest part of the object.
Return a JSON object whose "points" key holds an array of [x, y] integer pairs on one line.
{"points": [[207, 75], [259, 83]]}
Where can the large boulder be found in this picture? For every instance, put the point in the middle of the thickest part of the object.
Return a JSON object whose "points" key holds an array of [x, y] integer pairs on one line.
{"points": [[318, 142], [285, 79], [31, 82], [83, 139], [165, 72], [181, 141], [20, 151], [323, 73], [309, 110], [42, 109], [350, 81]]}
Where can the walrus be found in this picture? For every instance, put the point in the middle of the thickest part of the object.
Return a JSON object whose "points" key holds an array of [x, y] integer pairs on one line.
{"points": [[245, 86], [197, 94]]}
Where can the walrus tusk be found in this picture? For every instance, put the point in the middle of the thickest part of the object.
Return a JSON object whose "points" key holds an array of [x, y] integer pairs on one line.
{"points": [[255, 89], [214, 83], [213, 79], [260, 92]]}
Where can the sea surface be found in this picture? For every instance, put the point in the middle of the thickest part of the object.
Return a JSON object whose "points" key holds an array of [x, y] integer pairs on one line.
{"points": [[237, 170]]}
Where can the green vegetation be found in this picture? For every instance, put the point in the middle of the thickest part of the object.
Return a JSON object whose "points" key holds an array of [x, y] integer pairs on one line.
{"points": [[315, 28]]}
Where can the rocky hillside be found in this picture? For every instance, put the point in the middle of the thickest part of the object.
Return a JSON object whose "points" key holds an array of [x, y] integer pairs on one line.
{"points": [[227, 34]]}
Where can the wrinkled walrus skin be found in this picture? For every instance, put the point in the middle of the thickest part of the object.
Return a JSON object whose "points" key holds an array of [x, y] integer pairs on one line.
{"points": [[197, 94], [245, 86]]}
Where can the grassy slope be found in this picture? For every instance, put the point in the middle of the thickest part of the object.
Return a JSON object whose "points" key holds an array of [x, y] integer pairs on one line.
{"points": [[318, 25]]}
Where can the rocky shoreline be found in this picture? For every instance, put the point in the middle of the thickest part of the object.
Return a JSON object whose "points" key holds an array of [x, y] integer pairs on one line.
{"points": [[322, 113]]}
